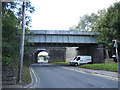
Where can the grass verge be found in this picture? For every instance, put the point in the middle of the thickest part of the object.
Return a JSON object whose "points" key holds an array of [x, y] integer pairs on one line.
{"points": [[101, 66], [97, 66], [26, 77]]}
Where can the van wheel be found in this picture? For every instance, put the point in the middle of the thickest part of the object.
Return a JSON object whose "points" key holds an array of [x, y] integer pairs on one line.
{"points": [[76, 64]]}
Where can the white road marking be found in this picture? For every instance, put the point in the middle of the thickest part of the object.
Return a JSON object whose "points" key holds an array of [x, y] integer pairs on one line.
{"points": [[94, 73]]}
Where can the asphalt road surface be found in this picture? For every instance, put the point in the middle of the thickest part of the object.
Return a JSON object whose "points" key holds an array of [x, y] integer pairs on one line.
{"points": [[54, 76]]}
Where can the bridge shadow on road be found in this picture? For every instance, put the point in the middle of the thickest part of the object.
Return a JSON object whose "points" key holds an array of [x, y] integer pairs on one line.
{"points": [[48, 65]]}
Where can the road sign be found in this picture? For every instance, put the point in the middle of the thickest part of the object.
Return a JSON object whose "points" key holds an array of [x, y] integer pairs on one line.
{"points": [[117, 57], [115, 45]]}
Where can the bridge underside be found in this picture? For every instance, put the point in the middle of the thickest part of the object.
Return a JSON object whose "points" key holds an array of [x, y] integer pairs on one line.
{"points": [[63, 44], [61, 53]]}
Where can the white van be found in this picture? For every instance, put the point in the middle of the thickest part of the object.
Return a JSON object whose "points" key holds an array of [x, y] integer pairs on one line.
{"points": [[77, 60]]}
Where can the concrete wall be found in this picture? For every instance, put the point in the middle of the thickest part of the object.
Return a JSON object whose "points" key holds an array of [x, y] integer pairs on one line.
{"points": [[93, 50], [8, 75], [64, 54], [56, 54], [70, 53]]}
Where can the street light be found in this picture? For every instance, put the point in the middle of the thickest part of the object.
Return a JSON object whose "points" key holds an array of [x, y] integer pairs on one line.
{"points": [[22, 43]]}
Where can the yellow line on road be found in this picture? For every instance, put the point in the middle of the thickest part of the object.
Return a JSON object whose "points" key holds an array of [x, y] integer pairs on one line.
{"points": [[37, 77], [32, 78], [34, 75]]}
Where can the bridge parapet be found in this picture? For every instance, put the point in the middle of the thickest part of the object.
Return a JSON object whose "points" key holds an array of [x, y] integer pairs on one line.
{"points": [[62, 32], [62, 36]]}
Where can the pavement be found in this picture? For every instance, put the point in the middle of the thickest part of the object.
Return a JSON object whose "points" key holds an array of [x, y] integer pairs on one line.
{"points": [[102, 73], [36, 78], [11, 86]]}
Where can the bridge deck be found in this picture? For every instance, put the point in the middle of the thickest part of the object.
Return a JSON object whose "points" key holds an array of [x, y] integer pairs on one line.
{"points": [[61, 36]]}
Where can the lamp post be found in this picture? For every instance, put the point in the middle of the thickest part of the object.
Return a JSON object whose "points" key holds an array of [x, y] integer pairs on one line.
{"points": [[22, 43]]}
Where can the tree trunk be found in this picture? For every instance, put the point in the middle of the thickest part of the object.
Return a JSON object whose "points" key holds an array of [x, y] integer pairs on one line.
{"points": [[107, 54]]}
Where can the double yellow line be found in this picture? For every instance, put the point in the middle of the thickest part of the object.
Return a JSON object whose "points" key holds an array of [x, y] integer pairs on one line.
{"points": [[37, 79], [34, 75]]}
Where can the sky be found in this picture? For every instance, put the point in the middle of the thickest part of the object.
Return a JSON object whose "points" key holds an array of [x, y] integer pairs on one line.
{"points": [[63, 14], [43, 53]]}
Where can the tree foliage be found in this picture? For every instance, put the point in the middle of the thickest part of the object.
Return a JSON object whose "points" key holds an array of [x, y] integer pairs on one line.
{"points": [[10, 37], [11, 30], [16, 8], [106, 22], [108, 26], [88, 22]]}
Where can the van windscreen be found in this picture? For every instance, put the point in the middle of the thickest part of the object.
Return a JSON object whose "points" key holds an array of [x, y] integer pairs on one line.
{"points": [[74, 58]]}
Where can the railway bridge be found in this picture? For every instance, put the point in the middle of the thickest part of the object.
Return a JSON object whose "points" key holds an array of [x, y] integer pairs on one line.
{"points": [[62, 45]]}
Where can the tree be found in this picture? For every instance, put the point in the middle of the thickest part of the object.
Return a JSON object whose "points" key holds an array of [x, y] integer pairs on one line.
{"points": [[84, 24], [10, 38], [16, 8], [11, 33], [108, 27], [11, 30], [88, 22]]}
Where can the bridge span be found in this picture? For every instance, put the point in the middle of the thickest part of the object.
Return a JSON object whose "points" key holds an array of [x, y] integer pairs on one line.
{"points": [[66, 38], [60, 44]]}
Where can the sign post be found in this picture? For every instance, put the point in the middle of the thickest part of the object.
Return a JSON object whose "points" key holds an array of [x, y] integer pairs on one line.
{"points": [[117, 57]]}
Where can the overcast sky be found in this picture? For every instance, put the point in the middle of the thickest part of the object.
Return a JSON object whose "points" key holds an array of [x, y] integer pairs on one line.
{"points": [[43, 53], [62, 14]]}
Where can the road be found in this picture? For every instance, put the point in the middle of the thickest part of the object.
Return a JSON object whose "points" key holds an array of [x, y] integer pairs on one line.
{"points": [[55, 76]]}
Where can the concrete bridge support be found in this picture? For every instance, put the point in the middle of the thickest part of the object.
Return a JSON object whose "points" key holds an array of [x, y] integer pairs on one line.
{"points": [[70, 53], [56, 54], [64, 54], [93, 50]]}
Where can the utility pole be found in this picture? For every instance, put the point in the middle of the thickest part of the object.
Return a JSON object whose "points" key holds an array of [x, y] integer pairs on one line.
{"points": [[22, 42], [0, 45], [117, 57]]}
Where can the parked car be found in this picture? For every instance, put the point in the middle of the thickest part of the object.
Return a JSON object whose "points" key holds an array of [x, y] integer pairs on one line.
{"points": [[77, 60]]}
